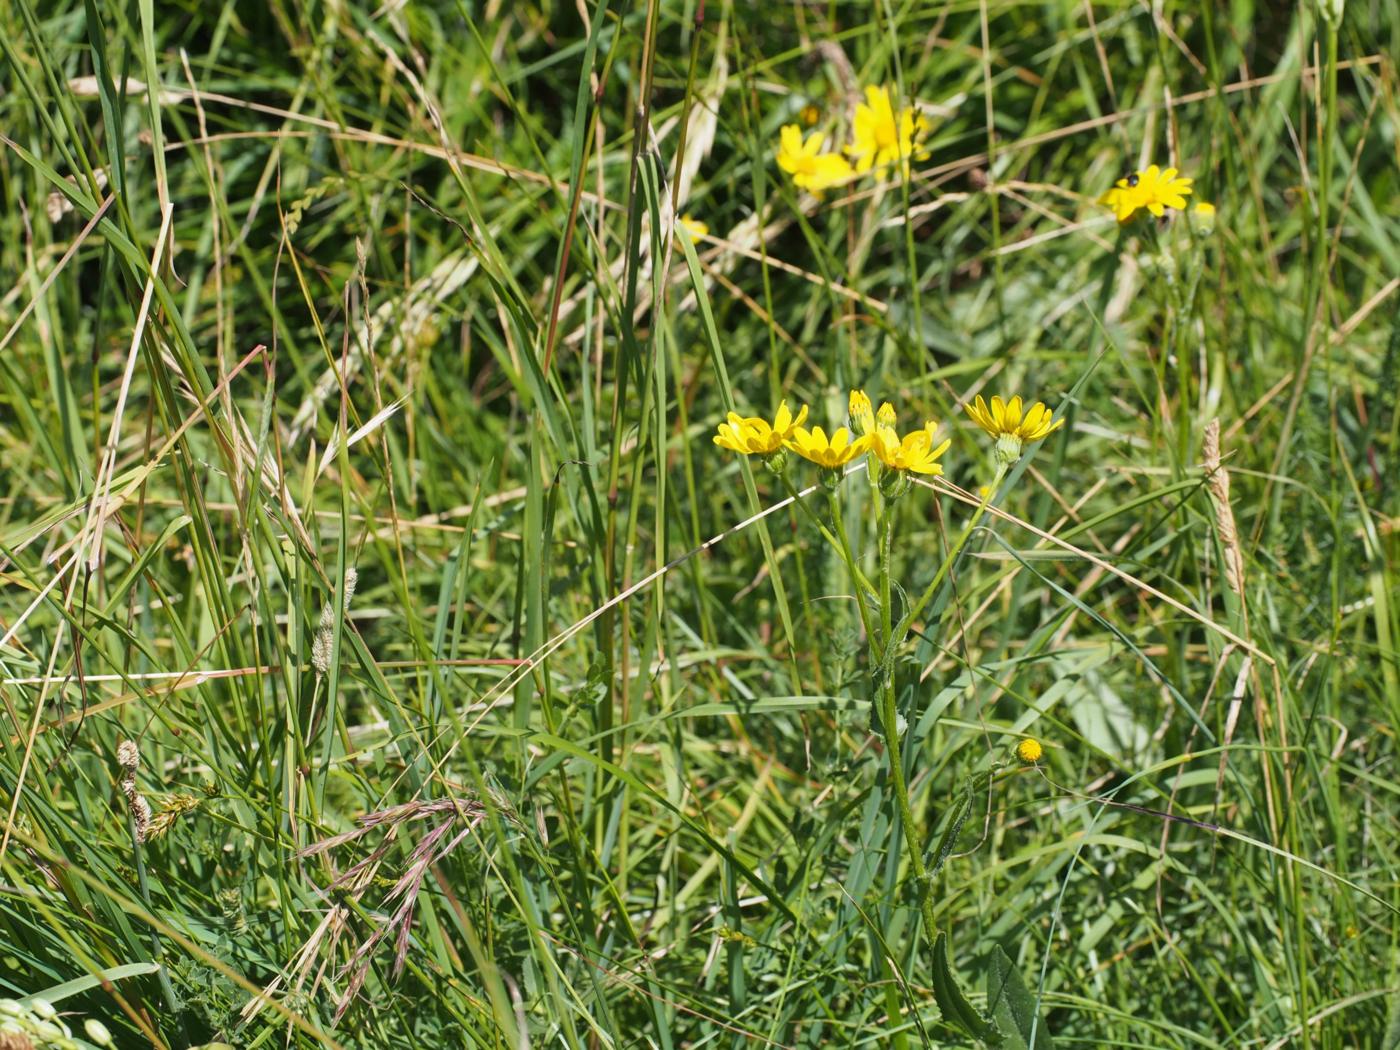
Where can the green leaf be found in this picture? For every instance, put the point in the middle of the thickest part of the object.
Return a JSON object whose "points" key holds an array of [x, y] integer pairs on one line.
{"points": [[956, 1009], [83, 984], [1013, 1007]]}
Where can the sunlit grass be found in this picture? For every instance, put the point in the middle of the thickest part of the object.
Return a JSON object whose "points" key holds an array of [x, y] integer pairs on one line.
{"points": [[451, 595]]}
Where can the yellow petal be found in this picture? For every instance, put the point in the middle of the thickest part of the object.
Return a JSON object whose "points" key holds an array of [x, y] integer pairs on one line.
{"points": [[783, 419], [998, 412], [1034, 417]]}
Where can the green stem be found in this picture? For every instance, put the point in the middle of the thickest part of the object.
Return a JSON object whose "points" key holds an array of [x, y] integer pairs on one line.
{"points": [[958, 544], [862, 584], [886, 545], [1324, 170], [889, 723], [912, 843], [843, 548]]}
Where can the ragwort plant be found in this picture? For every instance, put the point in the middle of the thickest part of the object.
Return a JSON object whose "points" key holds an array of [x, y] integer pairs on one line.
{"points": [[893, 463]]}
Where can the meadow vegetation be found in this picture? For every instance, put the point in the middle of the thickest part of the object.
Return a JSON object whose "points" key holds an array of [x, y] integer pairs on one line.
{"points": [[704, 523]]}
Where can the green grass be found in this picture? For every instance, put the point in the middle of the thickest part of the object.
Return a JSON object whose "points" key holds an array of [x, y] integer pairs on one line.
{"points": [[599, 717]]}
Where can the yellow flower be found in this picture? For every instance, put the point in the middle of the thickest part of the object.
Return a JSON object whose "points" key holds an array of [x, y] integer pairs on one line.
{"points": [[1029, 751], [1005, 421], [862, 415], [697, 228], [916, 453], [755, 436], [1203, 217], [1152, 188], [833, 452], [1006, 417], [810, 168], [883, 138]]}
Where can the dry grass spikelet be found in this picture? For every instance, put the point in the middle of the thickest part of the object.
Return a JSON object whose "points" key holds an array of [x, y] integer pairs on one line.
{"points": [[129, 758], [324, 642], [1219, 479], [173, 810]]}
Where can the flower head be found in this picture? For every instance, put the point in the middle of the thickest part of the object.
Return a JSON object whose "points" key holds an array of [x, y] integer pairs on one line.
{"points": [[862, 415], [1203, 217], [1005, 421], [915, 453], [755, 436], [810, 168], [884, 424], [696, 228], [882, 137], [1153, 188], [830, 452], [1029, 751]]}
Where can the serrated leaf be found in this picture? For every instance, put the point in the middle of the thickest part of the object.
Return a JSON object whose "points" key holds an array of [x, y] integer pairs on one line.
{"points": [[956, 1009], [1013, 1007]]}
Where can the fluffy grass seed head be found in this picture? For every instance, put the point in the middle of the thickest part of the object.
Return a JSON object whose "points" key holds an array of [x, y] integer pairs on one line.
{"points": [[1029, 751], [810, 168], [832, 452], [1010, 426], [1152, 189], [883, 138], [755, 436]]}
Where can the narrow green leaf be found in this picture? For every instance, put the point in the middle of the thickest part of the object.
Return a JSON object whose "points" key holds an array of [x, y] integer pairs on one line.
{"points": [[79, 985]]}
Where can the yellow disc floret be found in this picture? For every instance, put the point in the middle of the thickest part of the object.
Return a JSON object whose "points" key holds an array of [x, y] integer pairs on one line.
{"points": [[1029, 751]]}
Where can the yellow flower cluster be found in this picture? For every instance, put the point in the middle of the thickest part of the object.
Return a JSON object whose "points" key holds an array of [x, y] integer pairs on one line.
{"points": [[915, 452], [1008, 422], [882, 140]]}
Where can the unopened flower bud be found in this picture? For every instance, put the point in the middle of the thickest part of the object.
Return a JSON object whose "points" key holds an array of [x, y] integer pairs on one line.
{"points": [[1008, 449], [893, 484], [97, 1032], [862, 415]]}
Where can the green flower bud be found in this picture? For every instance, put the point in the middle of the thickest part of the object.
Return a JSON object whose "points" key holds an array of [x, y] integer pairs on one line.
{"points": [[1008, 449], [893, 484]]}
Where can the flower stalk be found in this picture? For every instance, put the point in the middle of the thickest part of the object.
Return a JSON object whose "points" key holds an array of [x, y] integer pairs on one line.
{"points": [[892, 460]]}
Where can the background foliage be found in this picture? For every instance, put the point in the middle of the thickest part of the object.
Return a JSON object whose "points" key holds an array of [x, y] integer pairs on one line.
{"points": [[671, 826]]}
